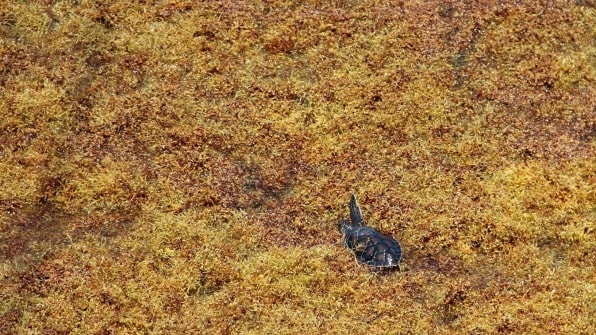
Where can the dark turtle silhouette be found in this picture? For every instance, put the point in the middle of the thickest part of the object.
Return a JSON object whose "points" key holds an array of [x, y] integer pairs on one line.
{"points": [[369, 246]]}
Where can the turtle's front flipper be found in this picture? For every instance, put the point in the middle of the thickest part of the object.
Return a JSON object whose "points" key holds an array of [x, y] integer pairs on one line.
{"points": [[355, 213]]}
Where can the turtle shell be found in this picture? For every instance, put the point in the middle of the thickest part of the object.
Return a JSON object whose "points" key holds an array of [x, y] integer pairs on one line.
{"points": [[369, 246]]}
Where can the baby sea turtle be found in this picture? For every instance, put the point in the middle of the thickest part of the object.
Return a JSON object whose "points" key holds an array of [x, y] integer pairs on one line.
{"points": [[369, 246]]}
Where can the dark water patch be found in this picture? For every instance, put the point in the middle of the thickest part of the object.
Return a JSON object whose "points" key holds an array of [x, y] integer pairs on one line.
{"points": [[30, 228]]}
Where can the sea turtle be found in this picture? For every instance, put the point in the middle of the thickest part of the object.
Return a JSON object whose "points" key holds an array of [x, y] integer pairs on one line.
{"points": [[369, 246]]}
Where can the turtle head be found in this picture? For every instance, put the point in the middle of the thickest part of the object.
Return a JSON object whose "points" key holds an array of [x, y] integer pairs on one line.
{"points": [[344, 226]]}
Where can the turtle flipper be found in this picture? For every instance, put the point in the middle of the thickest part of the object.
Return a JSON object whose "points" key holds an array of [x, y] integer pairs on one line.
{"points": [[355, 213]]}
